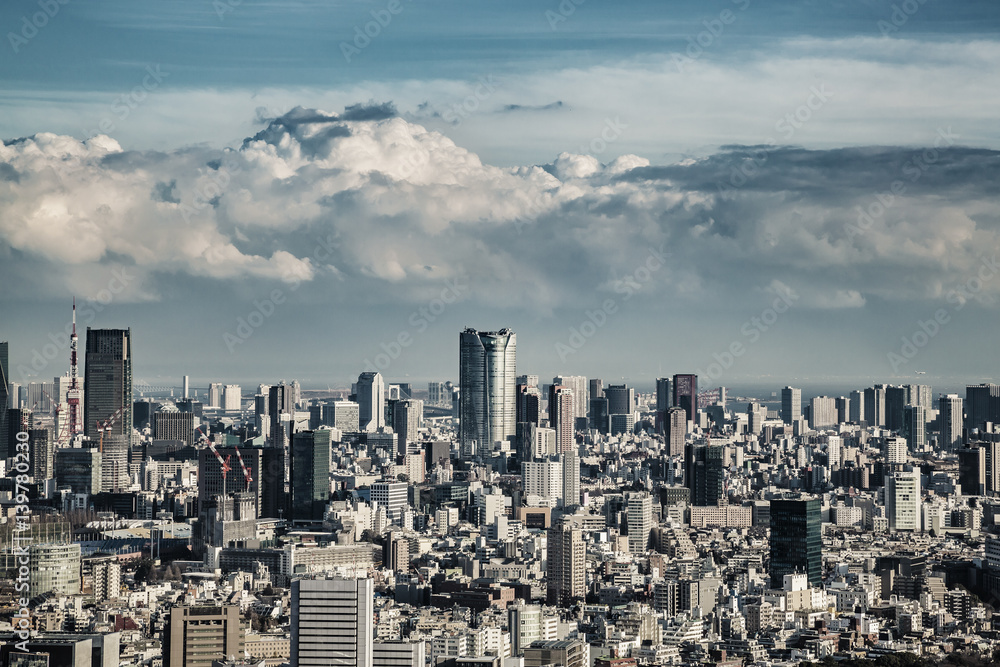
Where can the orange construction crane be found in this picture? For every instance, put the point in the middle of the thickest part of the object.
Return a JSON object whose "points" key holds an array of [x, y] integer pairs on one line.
{"points": [[246, 473], [106, 426]]}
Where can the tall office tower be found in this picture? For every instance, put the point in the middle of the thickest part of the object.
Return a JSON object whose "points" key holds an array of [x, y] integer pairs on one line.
{"points": [[525, 623], [833, 450], [972, 470], [561, 405], [639, 510], [596, 388], [331, 622], [273, 477], [435, 393], [578, 384], [856, 407], [174, 426], [686, 394], [215, 394], [621, 399], [186, 387], [281, 413], [371, 401], [822, 412], [198, 636], [232, 398], [108, 383], [529, 401], [982, 405], [78, 470], [309, 473], [895, 401], [791, 404], [543, 479], [843, 410], [346, 415], [570, 462], [796, 540], [920, 394], [566, 569], [756, 414], [875, 405], [406, 421], [663, 403], [902, 500], [487, 373], [43, 448], [393, 496], [895, 450], [599, 415], [950, 422], [676, 430], [914, 425], [4, 389], [704, 472]]}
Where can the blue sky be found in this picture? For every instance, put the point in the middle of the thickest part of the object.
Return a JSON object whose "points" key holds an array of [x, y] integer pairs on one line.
{"points": [[607, 131]]}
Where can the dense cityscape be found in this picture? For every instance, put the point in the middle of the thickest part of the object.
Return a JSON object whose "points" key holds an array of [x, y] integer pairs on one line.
{"points": [[493, 521]]}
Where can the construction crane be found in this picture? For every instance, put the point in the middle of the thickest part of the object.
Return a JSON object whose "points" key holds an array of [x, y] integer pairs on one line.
{"points": [[246, 473], [106, 426], [223, 463]]}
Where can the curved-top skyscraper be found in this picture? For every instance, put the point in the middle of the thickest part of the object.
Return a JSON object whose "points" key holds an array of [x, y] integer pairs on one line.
{"points": [[487, 369]]}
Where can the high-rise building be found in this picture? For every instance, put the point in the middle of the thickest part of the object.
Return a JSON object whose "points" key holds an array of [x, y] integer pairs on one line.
{"points": [[875, 405], [972, 470], [332, 622], [437, 393], [756, 414], [895, 450], [570, 463], [407, 416], [174, 426], [796, 540], [664, 400], [676, 431], [108, 383], [920, 394], [561, 406], [982, 405], [393, 496], [210, 479], [370, 393], [596, 388], [895, 401], [578, 384], [600, 418], [487, 374], [525, 623], [197, 636], [43, 448], [232, 398], [309, 472], [686, 394], [704, 472], [215, 394], [639, 510], [281, 413], [346, 416], [78, 470], [621, 399], [566, 568], [54, 567], [543, 479], [856, 406], [273, 477], [914, 425], [950, 420], [902, 500], [791, 404], [529, 401], [822, 412]]}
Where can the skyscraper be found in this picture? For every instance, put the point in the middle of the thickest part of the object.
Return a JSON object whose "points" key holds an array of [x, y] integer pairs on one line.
{"points": [[791, 404], [895, 401], [705, 473], [676, 431], [914, 425], [528, 404], [902, 500], [561, 405], [107, 392], [663, 403], [197, 636], [856, 407], [578, 383], [487, 375], [875, 405], [822, 412], [621, 399], [331, 622], [281, 413], [406, 421], [640, 520], [686, 394], [570, 461], [371, 401], [950, 421], [982, 404], [796, 540], [566, 567], [309, 472]]}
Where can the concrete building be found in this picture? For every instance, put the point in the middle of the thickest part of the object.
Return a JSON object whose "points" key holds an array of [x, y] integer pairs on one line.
{"points": [[331, 623], [196, 636]]}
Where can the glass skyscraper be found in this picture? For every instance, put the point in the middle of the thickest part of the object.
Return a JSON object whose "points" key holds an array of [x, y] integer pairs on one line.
{"points": [[796, 540], [487, 378]]}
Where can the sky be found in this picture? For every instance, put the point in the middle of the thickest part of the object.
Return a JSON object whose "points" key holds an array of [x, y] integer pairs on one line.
{"points": [[760, 192]]}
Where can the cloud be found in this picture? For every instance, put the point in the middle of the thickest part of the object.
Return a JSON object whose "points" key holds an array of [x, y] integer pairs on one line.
{"points": [[384, 210]]}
